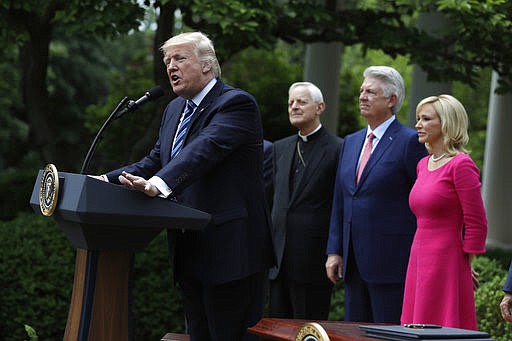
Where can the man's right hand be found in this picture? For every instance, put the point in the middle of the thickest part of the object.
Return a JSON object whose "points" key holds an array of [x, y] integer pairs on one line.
{"points": [[334, 268], [99, 177]]}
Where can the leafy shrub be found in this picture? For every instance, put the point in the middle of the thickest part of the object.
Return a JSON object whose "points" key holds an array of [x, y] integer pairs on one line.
{"points": [[15, 201], [337, 312], [157, 307], [36, 279], [31, 333], [488, 297]]}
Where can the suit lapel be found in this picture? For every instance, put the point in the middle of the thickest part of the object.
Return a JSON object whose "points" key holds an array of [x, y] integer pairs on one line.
{"points": [[318, 153], [285, 164], [385, 142], [205, 103]]}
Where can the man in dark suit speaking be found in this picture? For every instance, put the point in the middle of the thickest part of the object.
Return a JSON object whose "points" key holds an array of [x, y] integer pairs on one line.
{"points": [[372, 227], [209, 156], [304, 172]]}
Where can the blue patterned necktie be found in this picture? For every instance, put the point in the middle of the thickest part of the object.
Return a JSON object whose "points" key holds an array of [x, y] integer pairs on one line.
{"points": [[182, 129]]}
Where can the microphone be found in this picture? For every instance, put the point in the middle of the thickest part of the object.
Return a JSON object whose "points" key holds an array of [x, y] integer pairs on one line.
{"points": [[150, 95]]}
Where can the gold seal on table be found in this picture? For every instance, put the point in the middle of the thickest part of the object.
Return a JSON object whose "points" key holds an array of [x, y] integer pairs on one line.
{"points": [[49, 190], [311, 331]]}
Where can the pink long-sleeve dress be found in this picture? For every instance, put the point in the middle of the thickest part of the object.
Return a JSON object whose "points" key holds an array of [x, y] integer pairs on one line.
{"points": [[451, 223]]}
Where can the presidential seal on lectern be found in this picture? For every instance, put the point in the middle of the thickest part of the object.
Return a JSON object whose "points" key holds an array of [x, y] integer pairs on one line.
{"points": [[312, 331], [49, 190]]}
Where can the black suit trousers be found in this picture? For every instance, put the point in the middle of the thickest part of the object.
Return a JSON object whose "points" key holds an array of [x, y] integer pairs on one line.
{"points": [[293, 299], [224, 311]]}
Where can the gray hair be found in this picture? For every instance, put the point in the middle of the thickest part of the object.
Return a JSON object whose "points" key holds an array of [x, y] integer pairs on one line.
{"points": [[203, 48], [314, 91], [393, 83]]}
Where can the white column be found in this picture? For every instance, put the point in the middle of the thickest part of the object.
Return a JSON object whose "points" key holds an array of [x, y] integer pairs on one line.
{"points": [[422, 88], [322, 67], [434, 24], [497, 181]]}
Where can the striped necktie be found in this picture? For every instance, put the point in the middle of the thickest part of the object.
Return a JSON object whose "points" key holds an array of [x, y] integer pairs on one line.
{"points": [[182, 129]]}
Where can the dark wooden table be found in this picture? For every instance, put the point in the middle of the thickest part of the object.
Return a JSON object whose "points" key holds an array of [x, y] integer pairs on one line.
{"points": [[287, 329]]}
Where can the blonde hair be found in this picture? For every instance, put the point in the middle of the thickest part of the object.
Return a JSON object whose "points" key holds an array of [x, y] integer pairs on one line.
{"points": [[203, 48], [454, 122]]}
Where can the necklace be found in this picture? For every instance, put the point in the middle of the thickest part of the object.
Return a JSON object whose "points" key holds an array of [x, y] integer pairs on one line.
{"points": [[435, 159]]}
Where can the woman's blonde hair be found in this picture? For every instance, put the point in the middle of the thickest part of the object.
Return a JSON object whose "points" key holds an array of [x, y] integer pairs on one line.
{"points": [[454, 122]]}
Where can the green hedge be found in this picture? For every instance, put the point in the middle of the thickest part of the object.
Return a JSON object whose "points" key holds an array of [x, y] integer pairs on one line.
{"points": [[14, 201], [36, 276], [488, 297]]}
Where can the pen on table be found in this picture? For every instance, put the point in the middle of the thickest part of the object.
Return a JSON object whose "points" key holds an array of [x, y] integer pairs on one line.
{"points": [[421, 325]]}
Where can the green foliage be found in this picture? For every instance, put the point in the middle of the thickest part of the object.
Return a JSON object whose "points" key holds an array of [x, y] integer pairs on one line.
{"points": [[13, 129], [31, 333], [235, 25], [476, 102], [488, 297], [337, 312], [131, 78], [454, 53], [17, 200], [267, 75], [37, 265], [389, 26], [157, 306]]}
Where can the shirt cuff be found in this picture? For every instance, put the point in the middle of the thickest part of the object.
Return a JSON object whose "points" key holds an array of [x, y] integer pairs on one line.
{"points": [[160, 184]]}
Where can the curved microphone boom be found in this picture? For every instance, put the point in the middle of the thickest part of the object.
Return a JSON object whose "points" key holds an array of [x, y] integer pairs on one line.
{"points": [[150, 95]]}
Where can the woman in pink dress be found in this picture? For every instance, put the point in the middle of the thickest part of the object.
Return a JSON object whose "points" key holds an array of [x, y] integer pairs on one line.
{"points": [[451, 220]]}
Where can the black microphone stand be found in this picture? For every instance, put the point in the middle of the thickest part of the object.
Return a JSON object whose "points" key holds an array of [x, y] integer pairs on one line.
{"points": [[99, 135]]}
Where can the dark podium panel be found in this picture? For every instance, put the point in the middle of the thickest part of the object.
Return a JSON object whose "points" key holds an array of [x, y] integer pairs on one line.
{"points": [[107, 223], [287, 329]]}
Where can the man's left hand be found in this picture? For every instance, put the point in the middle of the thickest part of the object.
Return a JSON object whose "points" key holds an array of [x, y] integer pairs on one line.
{"points": [[505, 306]]}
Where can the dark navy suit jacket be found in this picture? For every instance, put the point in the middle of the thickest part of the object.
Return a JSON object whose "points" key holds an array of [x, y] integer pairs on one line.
{"points": [[218, 171], [375, 213], [508, 283]]}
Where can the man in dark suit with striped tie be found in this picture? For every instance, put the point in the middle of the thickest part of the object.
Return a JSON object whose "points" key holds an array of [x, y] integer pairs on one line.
{"points": [[209, 156]]}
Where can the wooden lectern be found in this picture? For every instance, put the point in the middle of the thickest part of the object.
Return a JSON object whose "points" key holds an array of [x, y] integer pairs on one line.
{"points": [[107, 223]]}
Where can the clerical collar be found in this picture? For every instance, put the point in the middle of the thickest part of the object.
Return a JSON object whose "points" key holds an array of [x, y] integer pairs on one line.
{"points": [[310, 136]]}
